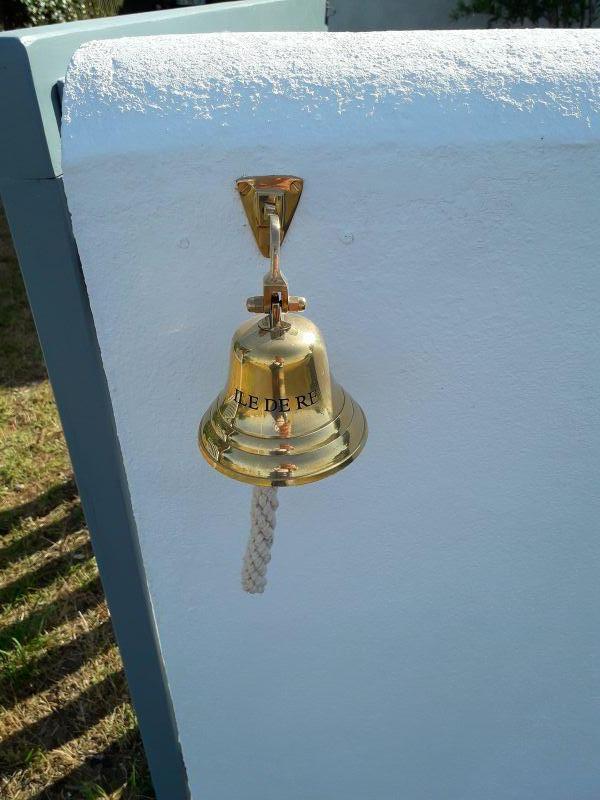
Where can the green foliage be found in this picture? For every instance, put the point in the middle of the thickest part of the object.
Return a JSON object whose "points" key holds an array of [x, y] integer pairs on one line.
{"points": [[555, 13], [29, 13], [42, 12]]}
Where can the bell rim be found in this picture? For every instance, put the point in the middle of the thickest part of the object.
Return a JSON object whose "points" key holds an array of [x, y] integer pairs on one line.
{"points": [[301, 480]]}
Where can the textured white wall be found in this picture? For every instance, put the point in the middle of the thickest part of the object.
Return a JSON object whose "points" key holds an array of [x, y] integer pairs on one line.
{"points": [[430, 628]]}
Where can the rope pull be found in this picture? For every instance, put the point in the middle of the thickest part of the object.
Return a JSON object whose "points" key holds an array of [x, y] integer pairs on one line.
{"points": [[258, 552]]}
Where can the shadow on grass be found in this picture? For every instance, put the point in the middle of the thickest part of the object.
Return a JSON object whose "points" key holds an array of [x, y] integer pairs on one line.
{"points": [[43, 537], [49, 615], [46, 574], [40, 674], [70, 721], [120, 760], [39, 506], [21, 360], [116, 765]]}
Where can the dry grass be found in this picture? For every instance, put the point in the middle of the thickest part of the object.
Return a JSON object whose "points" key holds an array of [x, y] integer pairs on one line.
{"points": [[67, 729]]}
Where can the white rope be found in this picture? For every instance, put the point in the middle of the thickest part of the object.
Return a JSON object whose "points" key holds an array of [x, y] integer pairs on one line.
{"points": [[258, 551]]}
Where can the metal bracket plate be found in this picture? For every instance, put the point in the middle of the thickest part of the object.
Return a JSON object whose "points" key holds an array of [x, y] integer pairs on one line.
{"points": [[281, 191]]}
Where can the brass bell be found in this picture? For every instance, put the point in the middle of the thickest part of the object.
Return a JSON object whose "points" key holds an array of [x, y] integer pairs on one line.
{"points": [[281, 419]]}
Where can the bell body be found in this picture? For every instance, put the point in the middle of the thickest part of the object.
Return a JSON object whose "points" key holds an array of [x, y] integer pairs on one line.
{"points": [[282, 419]]}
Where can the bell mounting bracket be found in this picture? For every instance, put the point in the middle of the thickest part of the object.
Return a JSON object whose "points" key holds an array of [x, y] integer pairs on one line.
{"points": [[270, 202], [281, 191]]}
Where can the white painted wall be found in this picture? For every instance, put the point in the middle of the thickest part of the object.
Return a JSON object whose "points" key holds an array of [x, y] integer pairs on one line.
{"points": [[430, 629]]}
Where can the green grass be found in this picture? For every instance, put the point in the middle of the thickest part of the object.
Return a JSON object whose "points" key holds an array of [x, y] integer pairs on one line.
{"points": [[67, 728]]}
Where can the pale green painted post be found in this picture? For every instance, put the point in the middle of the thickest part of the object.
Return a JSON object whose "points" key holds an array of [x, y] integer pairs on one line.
{"points": [[31, 61]]}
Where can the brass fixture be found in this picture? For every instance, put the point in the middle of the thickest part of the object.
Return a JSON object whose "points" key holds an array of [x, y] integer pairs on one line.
{"points": [[281, 419], [281, 191]]}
